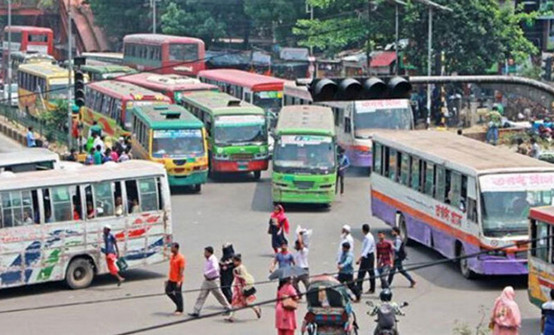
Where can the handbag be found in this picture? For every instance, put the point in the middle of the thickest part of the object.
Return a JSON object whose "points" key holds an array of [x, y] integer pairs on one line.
{"points": [[289, 304], [249, 292], [122, 264]]}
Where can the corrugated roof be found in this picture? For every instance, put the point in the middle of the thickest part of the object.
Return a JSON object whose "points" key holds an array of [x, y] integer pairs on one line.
{"points": [[383, 59]]}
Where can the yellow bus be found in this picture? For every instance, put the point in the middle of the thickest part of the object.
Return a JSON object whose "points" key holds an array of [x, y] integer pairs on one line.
{"points": [[40, 85], [172, 136], [540, 259]]}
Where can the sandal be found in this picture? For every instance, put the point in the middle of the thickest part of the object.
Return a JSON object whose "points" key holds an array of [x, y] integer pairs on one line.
{"points": [[258, 312]]}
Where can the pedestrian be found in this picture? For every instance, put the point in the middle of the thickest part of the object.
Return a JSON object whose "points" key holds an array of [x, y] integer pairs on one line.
{"points": [[99, 141], [98, 157], [346, 270], [367, 260], [72, 157], [107, 156], [285, 308], [114, 155], [283, 258], [95, 129], [174, 284], [31, 142], [506, 318], [385, 254], [535, 151], [226, 265], [522, 147], [495, 120], [345, 236], [124, 156], [301, 260], [90, 144], [399, 257], [112, 254], [278, 227], [209, 285], [243, 288], [344, 163], [547, 318]]}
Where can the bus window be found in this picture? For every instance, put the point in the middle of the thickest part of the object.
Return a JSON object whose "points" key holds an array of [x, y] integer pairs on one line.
{"points": [[61, 204], [385, 160], [455, 192], [377, 158], [392, 164], [103, 195], [471, 205], [89, 198], [119, 207], [17, 209], [541, 245], [415, 174], [405, 169], [132, 196], [440, 183], [148, 194], [429, 178], [347, 126]]}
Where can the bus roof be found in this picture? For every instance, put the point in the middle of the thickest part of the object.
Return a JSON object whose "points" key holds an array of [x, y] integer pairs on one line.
{"points": [[120, 89], [167, 117], [32, 55], [38, 30], [304, 119], [459, 151], [253, 81], [26, 156], [221, 103], [296, 91], [167, 82], [160, 38], [43, 69], [114, 55], [544, 214], [80, 175], [104, 69]]}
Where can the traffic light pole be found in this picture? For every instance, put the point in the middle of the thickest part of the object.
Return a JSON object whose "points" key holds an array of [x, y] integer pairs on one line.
{"points": [[429, 55], [69, 74]]}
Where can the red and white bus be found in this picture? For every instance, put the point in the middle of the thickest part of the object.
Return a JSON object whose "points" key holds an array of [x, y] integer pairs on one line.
{"points": [[164, 53], [263, 91], [172, 85], [26, 39]]}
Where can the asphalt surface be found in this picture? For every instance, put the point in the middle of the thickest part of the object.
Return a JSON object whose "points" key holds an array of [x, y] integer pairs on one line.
{"points": [[236, 210]]}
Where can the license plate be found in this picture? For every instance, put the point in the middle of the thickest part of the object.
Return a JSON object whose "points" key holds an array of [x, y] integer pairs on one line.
{"points": [[243, 165]]}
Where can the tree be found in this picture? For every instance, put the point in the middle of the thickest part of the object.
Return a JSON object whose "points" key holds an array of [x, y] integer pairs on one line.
{"points": [[121, 17]]}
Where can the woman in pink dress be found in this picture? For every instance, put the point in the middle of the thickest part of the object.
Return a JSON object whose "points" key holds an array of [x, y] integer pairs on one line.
{"points": [[285, 319], [506, 318], [243, 285]]}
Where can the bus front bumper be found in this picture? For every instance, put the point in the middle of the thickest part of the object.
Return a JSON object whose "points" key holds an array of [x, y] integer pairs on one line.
{"points": [[194, 178], [303, 196], [239, 166], [491, 265], [359, 158]]}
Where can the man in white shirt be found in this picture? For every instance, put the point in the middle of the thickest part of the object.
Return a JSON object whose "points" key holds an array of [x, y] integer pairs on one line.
{"points": [[367, 260], [301, 260], [210, 284], [98, 141], [345, 236]]}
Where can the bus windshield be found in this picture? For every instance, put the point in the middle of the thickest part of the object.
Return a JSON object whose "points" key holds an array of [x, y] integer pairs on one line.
{"points": [[177, 143], [183, 52], [58, 89], [393, 118], [240, 129], [268, 100], [507, 198], [304, 153]]}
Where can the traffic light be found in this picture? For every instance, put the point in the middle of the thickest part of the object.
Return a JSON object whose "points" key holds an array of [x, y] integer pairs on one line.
{"points": [[358, 88], [79, 89]]}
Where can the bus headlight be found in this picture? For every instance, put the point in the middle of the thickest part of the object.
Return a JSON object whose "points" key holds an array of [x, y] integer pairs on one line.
{"points": [[495, 253], [222, 157], [260, 155]]}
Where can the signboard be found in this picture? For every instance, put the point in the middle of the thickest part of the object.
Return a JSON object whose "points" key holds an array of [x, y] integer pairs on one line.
{"points": [[299, 54], [517, 181], [43, 49], [368, 106], [270, 94], [302, 140], [239, 120], [178, 133]]}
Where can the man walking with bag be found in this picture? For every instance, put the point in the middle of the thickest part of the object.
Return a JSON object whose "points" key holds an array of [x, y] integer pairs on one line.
{"points": [[112, 254], [210, 284], [174, 283], [399, 257], [367, 260]]}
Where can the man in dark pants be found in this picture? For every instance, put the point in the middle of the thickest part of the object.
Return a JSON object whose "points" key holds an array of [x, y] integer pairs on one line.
{"points": [[344, 163], [175, 281], [367, 260], [399, 257], [346, 270]]}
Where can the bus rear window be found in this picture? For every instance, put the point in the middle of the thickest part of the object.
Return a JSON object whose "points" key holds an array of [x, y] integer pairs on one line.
{"points": [[38, 38], [183, 52]]}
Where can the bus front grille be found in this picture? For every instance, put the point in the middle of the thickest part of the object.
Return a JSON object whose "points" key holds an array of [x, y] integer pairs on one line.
{"points": [[241, 157], [179, 162], [304, 184]]}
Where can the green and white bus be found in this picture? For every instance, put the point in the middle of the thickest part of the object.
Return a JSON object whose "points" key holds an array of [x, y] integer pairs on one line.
{"points": [[103, 72], [237, 132], [170, 135], [305, 158]]}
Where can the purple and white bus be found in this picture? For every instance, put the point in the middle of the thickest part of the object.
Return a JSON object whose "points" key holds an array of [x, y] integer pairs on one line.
{"points": [[459, 196]]}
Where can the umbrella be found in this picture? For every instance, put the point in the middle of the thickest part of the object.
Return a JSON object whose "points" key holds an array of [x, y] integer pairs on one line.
{"points": [[287, 272]]}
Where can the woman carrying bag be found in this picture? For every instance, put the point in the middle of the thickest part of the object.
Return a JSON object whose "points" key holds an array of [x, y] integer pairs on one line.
{"points": [[285, 309], [278, 227], [243, 289]]}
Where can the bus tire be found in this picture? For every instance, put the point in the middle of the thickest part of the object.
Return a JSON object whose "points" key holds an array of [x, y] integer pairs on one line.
{"points": [[257, 175], [401, 224], [463, 263], [79, 274], [197, 188]]}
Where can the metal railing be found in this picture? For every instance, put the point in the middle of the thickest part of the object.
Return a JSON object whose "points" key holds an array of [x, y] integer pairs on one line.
{"points": [[50, 133]]}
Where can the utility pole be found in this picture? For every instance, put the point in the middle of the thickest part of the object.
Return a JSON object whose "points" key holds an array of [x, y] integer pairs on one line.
{"points": [[9, 102], [396, 38], [154, 14], [429, 55], [310, 10], [69, 74]]}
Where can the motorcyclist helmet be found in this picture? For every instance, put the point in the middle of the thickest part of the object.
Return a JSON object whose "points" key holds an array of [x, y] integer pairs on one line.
{"points": [[386, 295]]}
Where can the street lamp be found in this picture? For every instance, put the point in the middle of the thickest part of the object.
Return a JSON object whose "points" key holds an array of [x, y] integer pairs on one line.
{"points": [[154, 14], [396, 29], [431, 5]]}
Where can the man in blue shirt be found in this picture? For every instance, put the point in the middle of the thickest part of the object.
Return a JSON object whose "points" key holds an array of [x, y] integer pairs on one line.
{"points": [[547, 319], [112, 253], [346, 270], [399, 257], [344, 163], [30, 138]]}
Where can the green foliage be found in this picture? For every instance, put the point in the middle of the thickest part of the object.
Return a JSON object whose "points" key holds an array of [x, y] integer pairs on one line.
{"points": [[55, 121], [122, 17]]}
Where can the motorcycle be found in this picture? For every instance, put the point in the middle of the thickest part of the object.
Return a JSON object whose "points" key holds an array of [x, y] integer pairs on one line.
{"points": [[386, 314]]}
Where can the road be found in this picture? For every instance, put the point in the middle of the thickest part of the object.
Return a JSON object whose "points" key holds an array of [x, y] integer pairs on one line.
{"points": [[7, 144], [236, 210]]}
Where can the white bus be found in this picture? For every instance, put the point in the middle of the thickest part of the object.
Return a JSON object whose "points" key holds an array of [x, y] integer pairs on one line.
{"points": [[25, 160], [459, 196], [51, 222]]}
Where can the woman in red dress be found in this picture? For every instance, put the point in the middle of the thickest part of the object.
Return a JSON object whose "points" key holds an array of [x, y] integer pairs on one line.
{"points": [[243, 289]]}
